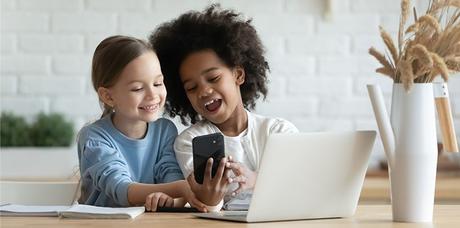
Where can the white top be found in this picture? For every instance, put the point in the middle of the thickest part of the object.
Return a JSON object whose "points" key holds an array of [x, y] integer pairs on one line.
{"points": [[247, 148]]}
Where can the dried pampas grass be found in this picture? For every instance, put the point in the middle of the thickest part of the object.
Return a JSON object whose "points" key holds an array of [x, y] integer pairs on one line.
{"points": [[426, 49]]}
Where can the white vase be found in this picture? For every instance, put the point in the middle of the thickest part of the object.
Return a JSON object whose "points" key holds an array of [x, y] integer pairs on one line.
{"points": [[413, 172]]}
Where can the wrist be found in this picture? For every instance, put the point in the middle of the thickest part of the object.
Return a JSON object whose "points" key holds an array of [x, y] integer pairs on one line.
{"points": [[185, 189], [215, 207]]}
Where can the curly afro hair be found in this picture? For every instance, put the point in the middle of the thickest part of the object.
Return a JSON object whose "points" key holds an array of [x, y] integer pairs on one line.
{"points": [[232, 38]]}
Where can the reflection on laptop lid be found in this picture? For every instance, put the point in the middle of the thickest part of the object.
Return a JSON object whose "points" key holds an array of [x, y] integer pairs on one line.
{"points": [[307, 176]]}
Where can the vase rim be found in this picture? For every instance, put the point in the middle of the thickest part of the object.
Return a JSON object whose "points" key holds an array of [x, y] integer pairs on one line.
{"points": [[415, 84]]}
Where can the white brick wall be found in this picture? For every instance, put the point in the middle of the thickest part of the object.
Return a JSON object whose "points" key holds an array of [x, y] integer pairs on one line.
{"points": [[119, 5], [9, 85], [319, 67], [50, 5], [51, 43], [24, 21], [25, 64]]}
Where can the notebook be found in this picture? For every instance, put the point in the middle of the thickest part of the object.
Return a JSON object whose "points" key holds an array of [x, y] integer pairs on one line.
{"points": [[23, 210], [74, 211]]}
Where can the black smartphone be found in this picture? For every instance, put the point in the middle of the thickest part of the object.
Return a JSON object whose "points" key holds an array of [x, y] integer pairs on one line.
{"points": [[205, 147]]}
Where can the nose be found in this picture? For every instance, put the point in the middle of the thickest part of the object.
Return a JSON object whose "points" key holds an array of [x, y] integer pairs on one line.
{"points": [[152, 94], [205, 92]]}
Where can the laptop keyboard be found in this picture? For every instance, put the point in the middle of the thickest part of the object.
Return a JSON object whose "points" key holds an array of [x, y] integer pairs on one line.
{"points": [[233, 213]]}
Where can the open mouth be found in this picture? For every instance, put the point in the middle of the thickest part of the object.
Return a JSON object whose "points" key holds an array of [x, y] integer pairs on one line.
{"points": [[150, 108], [213, 105]]}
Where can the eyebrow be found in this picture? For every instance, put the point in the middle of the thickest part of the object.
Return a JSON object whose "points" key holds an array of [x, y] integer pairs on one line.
{"points": [[133, 81], [203, 72]]}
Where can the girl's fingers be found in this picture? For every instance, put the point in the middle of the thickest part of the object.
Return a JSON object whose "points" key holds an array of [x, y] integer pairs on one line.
{"points": [[155, 199], [208, 170], [237, 179], [148, 203], [192, 182], [162, 200], [198, 203], [236, 192], [226, 174], [220, 170], [235, 167], [151, 202], [194, 202], [169, 202]]}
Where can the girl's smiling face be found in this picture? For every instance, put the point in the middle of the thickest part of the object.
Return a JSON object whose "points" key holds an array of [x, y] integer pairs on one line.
{"points": [[212, 87], [139, 93]]}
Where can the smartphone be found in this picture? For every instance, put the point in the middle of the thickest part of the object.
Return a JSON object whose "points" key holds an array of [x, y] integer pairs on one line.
{"points": [[205, 147]]}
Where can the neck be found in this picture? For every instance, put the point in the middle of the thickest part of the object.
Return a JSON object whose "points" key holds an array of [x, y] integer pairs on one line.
{"points": [[134, 129], [237, 123]]}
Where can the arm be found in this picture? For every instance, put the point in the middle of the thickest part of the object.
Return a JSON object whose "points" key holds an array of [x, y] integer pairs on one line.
{"points": [[105, 171], [166, 168]]}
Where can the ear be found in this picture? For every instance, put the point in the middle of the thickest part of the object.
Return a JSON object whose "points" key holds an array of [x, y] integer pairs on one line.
{"points": [[105, 96], [240, 75]]}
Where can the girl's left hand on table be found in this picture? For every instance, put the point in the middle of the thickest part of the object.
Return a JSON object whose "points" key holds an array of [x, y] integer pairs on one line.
{"points": [[158, 199]]}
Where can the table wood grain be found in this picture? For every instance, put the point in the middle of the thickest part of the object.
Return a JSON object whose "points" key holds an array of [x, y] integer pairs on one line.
{"points": [[366, 216]]}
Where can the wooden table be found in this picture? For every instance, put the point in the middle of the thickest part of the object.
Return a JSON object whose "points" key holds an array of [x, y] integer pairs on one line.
{"points": [[377, 190], [366, 216]]}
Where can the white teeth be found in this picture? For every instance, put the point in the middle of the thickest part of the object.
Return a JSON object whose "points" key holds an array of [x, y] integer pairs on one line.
{"points": [[210, 102], [150, 107]]}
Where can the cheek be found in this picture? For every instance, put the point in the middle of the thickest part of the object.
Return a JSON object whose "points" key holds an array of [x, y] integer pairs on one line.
{"points": [[191, 99], [163, 94]]}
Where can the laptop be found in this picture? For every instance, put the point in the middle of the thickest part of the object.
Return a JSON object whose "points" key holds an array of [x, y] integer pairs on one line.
{"points": [[307, 176]]}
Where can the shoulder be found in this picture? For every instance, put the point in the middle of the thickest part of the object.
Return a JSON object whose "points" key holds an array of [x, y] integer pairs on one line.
{"points": [[163, 124], [272, 124], [95, 130], [95, 141]]}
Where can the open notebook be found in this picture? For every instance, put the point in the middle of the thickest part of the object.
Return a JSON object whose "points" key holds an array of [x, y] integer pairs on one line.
{"points": [[75, 211]]}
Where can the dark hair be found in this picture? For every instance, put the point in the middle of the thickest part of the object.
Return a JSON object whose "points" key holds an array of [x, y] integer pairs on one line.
{"points": [[110, 58], [232, 38]]}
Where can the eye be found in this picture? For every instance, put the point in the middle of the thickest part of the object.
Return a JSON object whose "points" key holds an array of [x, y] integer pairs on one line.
{"points": [[137, 89], [214, 79], [158, 84], [190, 89]]}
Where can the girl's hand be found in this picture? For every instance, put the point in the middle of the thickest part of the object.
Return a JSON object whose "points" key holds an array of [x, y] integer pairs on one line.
{"points": [[190, 197], [158, 199], [245, 177], [213, 189]]}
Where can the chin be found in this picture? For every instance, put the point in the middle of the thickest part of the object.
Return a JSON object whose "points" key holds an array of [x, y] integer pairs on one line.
{"points": [[150, 118], [216, 119]]}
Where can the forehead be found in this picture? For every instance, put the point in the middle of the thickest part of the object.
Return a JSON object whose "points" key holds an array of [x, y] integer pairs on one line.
{"points": [[198, 62], [143, 67]]}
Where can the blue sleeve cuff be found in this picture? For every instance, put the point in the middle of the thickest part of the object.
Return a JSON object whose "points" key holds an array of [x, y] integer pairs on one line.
{"points": [[170, 177], [122, 193]]}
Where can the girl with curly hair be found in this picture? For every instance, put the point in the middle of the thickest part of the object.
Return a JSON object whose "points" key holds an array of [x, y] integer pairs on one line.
{"points": [[215, 70]]}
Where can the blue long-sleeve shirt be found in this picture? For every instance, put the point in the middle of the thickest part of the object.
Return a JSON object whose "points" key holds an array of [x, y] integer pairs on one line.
{"points": [[110, 161]]}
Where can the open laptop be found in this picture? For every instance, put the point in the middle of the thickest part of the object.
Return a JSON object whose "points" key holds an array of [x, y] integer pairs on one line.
{"points": [[307, 176]]}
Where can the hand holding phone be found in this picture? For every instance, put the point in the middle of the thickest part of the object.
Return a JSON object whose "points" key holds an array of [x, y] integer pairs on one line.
{"points": [[205, 147]]}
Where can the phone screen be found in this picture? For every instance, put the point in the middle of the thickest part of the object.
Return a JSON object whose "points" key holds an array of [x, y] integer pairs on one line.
{"points": [[205, 147]]}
